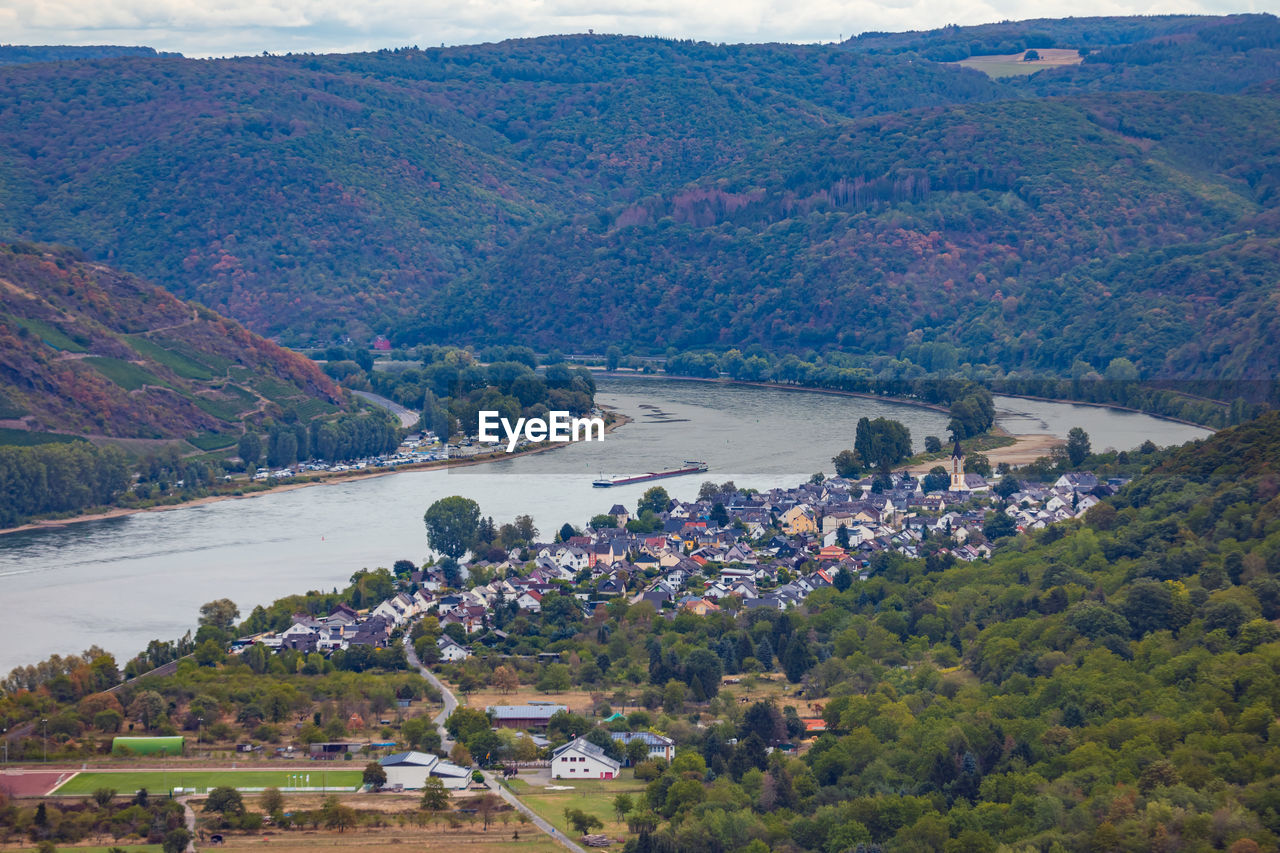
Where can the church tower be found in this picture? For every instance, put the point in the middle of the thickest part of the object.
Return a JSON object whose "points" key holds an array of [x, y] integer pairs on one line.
{"points": [[957, 469]]}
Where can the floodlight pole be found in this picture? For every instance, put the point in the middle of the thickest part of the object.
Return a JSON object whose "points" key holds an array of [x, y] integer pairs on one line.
{"points": [[44, 730]]}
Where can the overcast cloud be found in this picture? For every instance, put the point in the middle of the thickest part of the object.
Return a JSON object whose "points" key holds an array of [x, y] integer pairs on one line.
{"points": [[225, 27]]}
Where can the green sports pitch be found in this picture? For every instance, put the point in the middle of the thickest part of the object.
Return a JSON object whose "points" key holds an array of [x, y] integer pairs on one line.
{"points": [[163, 781]]}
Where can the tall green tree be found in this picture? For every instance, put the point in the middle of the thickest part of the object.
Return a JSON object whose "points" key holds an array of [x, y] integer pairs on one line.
{"points": [[452, 524]]}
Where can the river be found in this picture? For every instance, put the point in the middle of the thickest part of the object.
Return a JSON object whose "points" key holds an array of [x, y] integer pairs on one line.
{"points": [[122, 582]]}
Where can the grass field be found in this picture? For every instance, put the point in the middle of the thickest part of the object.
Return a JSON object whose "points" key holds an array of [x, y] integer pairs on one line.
{"points": [[592, 797], [1012, 64], [162, 781]]}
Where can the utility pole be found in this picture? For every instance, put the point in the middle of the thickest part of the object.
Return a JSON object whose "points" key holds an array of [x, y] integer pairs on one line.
{"points": [[4, 733]]}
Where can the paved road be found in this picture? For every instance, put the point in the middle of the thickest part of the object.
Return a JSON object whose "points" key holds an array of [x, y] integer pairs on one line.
{"points": [[190, 815], [514, 801], [451, 702], [408, 418]]}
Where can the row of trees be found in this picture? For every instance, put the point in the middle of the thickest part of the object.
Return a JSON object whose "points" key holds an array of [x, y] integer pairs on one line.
{"points": [[59, 478]]}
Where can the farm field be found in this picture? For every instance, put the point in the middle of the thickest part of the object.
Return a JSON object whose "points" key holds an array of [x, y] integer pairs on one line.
{"points": [[578, 701], [592, 797], [499, 838], [163, 780], [1011, 64]]}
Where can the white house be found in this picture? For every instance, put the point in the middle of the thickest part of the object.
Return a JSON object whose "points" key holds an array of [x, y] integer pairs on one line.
{"points": [[450, 651], [582, 759]]}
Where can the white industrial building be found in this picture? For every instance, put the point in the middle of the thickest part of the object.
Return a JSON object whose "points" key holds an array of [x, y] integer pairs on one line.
{"points": [[410, 770]]}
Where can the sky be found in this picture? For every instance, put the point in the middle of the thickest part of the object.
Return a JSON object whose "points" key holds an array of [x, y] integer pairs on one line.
{"points": [[202, 28]]}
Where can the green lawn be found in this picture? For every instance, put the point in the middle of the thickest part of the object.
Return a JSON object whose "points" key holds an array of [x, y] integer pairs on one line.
{"points": [[127, 848], [595, 797], [160, 781], [27, 438]]}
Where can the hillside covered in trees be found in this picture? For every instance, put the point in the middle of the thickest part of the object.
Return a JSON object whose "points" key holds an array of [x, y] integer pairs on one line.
{"points": [[574, 190], [87, 350]]}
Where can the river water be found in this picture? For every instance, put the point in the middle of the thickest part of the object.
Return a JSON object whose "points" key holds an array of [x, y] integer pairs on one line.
{"points": [[122, 582]]}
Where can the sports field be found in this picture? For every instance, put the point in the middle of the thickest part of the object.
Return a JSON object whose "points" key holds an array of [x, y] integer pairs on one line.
{"points": [[162, 781]]}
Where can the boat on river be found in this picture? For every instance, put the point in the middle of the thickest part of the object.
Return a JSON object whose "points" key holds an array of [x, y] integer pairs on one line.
{"points": [[626, 480]]}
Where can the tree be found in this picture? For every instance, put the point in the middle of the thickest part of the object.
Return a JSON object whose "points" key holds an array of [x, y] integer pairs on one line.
{"points": [[505, 678], [435, 797], [602, 522], [452, 523], [637, 751], [209, 653], [220, 614], [1077, 446], [881, 443], [272, 800], [176, 840], [655, 500], [567, 532], [103, 796], [1031, 56], [1007, 486], [582, 822], [937, 480], [612, 356], [338, 816], [622, 805], [375, 775], [846, 462], [932, 444], [148, 708], [249, 449], [225, 800], [999, 525]]}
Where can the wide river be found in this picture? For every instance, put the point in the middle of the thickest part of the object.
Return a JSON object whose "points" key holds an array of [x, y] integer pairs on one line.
{"points": [[122, 582]]}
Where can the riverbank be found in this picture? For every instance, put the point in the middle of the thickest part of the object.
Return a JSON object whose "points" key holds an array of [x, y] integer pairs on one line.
{"points": [[617, 419], [1026, 448]]}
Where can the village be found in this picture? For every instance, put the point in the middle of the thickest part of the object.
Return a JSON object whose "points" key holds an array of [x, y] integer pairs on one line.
{"points": [[734, 550]]}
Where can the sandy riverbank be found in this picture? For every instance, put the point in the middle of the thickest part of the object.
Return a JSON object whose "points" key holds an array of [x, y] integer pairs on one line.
{"points": [[318, 479]]}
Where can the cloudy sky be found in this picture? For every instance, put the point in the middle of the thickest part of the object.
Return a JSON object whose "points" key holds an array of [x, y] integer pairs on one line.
{"points": [[225, 27]]}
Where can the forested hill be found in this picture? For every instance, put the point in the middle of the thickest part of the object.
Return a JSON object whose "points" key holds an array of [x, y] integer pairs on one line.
{"points": [[324, 195], [16, 54], [89, 350], [652, 193], [1028, 234]]}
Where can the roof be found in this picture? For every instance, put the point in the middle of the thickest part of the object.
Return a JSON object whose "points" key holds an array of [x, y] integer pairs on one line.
{"points": [[589, 749], [446, 768], [410, 758], [648, 737], [524, 712]]}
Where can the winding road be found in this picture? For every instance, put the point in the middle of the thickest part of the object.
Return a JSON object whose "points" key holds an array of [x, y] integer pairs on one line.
{"points": [[408, 419], [495, 785]]}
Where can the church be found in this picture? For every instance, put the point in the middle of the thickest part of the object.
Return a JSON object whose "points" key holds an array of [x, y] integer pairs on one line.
{"points": [[960, 481]]}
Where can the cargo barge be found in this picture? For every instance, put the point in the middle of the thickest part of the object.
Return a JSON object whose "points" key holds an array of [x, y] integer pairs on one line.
{"points": [[689, 468]]}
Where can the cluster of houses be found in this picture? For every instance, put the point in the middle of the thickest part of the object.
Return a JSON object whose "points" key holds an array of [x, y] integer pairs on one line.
{"points": [[743, 550]]}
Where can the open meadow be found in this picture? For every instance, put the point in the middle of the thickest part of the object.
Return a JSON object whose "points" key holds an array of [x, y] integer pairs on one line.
{"points": [[1008, 65], [591, 796]]}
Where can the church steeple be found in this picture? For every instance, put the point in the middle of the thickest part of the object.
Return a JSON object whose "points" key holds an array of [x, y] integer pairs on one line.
{"points": [[957, 469]]}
